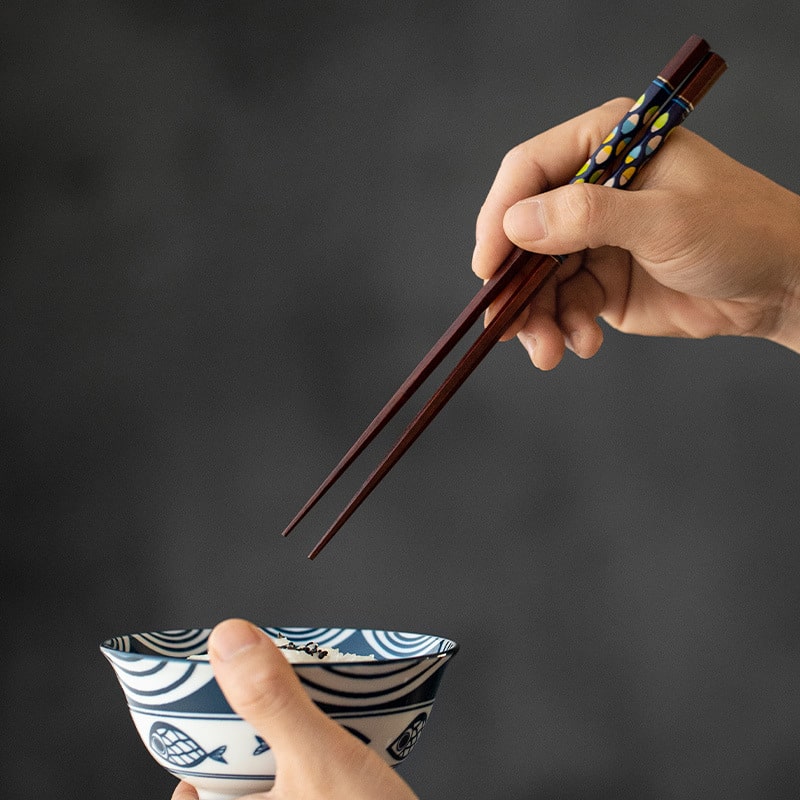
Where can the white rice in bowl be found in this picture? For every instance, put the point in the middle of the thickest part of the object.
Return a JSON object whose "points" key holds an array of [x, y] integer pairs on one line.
{"points": [[309, 653]]}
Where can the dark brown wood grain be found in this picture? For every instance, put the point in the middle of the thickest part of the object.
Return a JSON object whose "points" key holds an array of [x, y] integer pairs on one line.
{"points": [[490, 291], [692, 71]]}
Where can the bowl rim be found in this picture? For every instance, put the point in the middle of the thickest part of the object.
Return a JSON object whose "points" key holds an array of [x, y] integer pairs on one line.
{"points": [[452, 649]]}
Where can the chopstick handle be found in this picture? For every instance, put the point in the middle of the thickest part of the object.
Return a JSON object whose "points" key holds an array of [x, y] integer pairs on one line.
{"points": [[673, 115], [649, 103]]}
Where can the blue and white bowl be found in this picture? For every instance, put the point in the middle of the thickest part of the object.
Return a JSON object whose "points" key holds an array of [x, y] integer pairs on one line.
{"points": [[189, 728]]}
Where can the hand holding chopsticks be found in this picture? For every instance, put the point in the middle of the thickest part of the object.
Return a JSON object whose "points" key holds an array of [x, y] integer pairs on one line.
{"points": [[663, 106]]}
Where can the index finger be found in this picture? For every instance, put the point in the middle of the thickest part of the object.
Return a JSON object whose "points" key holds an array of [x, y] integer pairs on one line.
{"points": [[547, 160]]}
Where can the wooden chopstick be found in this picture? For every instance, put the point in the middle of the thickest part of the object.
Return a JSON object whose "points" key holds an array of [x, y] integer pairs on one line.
{"points": [[542, 268], [599, 167], [449, 339], [684, 73]]}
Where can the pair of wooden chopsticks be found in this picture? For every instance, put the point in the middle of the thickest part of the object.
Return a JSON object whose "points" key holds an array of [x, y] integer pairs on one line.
{"points": [[664, 105]]}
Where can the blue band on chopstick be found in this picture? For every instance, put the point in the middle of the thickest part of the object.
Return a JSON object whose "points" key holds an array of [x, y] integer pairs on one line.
{"points": [[614, 145], [666, 85], [656, 135]]}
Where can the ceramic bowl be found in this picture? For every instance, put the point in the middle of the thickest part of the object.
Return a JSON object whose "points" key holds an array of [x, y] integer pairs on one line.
{"points": [[189, 728]]}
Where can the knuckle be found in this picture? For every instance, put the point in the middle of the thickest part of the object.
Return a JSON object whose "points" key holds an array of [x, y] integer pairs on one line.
{"points": [[522, 160], [582, 210], [620, 103], [514, 158]]}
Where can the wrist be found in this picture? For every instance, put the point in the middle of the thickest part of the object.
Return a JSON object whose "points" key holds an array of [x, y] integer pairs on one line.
{"points": [[787, 324], [785, 329]]}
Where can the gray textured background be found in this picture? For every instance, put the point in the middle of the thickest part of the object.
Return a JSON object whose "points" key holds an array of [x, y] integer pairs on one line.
{"points": [[229, 231]]}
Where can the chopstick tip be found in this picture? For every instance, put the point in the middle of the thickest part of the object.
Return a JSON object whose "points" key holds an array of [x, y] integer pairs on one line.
{"points": [[331, 532], [295, 522]]}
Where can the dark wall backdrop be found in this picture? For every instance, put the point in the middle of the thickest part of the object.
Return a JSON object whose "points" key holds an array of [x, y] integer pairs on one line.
{"points": [[229, 231]]}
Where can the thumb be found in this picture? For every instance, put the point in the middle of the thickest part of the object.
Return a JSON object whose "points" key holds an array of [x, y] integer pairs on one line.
{"points": [[261, 686], [578, 216]]}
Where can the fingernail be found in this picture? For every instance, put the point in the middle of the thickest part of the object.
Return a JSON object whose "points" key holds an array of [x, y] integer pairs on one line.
{"points": [[525, 221], [529, 343], [232, 637], [476, 255], [572, 340]]}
